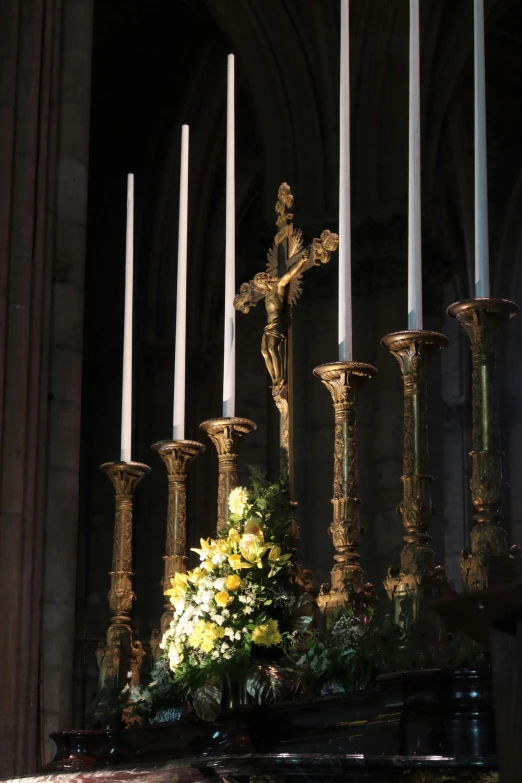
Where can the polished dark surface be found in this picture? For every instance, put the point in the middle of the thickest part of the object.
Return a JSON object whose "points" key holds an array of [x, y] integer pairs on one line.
{"points": [[424, 718]]}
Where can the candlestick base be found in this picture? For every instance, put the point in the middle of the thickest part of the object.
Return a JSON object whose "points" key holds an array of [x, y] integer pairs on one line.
{"points": [[488, 562], [176, 456], [412, 586], [343, 380], [120, 655], [225, 434]]}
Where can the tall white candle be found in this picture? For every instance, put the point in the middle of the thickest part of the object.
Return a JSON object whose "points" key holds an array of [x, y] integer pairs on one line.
{"points": [[229, 363], [126, 398], [345, 260], [481, 174], [414, 179], [178, 422]]}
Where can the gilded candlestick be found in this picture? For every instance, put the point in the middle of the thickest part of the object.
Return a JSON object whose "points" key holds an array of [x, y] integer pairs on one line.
{"points": [[488, 562], [343, 380], [418, 578], [120, 654], [177, 456], [225, 434]]}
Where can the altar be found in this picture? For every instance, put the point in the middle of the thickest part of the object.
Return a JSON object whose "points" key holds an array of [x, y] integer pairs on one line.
{"points": [[250, 634]]}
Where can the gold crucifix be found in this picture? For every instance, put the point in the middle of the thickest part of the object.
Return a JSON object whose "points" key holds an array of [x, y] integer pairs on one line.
{"points": [[280, 286]]}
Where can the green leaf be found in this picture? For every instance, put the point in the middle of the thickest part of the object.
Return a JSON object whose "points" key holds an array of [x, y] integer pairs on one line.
{"points": [[302, 613], [267, 683], [207, 701]]}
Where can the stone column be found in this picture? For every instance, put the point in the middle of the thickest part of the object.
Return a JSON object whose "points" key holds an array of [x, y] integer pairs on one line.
{"points": [[66, 372], [42, 214]]}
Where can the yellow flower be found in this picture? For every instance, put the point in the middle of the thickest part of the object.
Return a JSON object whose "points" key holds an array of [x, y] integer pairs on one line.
{"points": [[207, 644], [206, 548], [252, 549], [252, 527], [233, 536], [236, 562], [208, 565], [195, 576], [179, 587], [274, 552], [237, 501], [266, 634], [232, 582], [222, 598]]}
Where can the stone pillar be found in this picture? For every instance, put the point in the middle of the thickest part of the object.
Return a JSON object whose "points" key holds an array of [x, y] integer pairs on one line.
{"points": [[44, 77], [66, 373]]}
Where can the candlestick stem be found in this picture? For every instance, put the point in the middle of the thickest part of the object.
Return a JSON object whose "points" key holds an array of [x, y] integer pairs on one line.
{"points": [[343, 380], [120, 654], [225, 434], [488, 562], [176, 456], [418, 579]]}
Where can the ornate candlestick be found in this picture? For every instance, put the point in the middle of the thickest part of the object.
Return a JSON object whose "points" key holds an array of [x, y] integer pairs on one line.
{"points": [[343, 380], [225, 434], [488, 563], [418, 577], [120, 654], [177, 456]]}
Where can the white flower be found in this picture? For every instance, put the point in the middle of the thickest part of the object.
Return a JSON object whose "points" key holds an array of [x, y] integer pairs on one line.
{"points": [[224, 647], [174, 657], [237, 635], [217, 618], [126, 689], [225, 613], [248, 610], [237, 501], [219, 583], [218, 558]]}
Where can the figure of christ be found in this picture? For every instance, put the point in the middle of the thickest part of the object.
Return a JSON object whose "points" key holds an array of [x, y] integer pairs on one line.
{"points": [[273, 341], [280, 293]]}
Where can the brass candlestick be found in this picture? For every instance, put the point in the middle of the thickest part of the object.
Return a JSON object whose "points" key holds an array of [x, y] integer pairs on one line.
{"points": [[488, 563], [177, 456], [418, 577], [343, 380], [120, 655], [225, 434]]}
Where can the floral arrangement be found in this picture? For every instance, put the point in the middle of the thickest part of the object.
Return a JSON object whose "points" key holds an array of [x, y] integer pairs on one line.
{"points": [[236, 613], [221, 608]]}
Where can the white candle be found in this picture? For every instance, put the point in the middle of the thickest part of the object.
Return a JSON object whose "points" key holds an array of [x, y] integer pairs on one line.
{"points": [[481, 175], [229, 363], [178, 422], [414, 179], [345, 266], [126, 398]]}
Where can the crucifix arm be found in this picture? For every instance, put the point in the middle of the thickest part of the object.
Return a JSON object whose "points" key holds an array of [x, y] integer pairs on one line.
{"points": [[294, 270]]}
